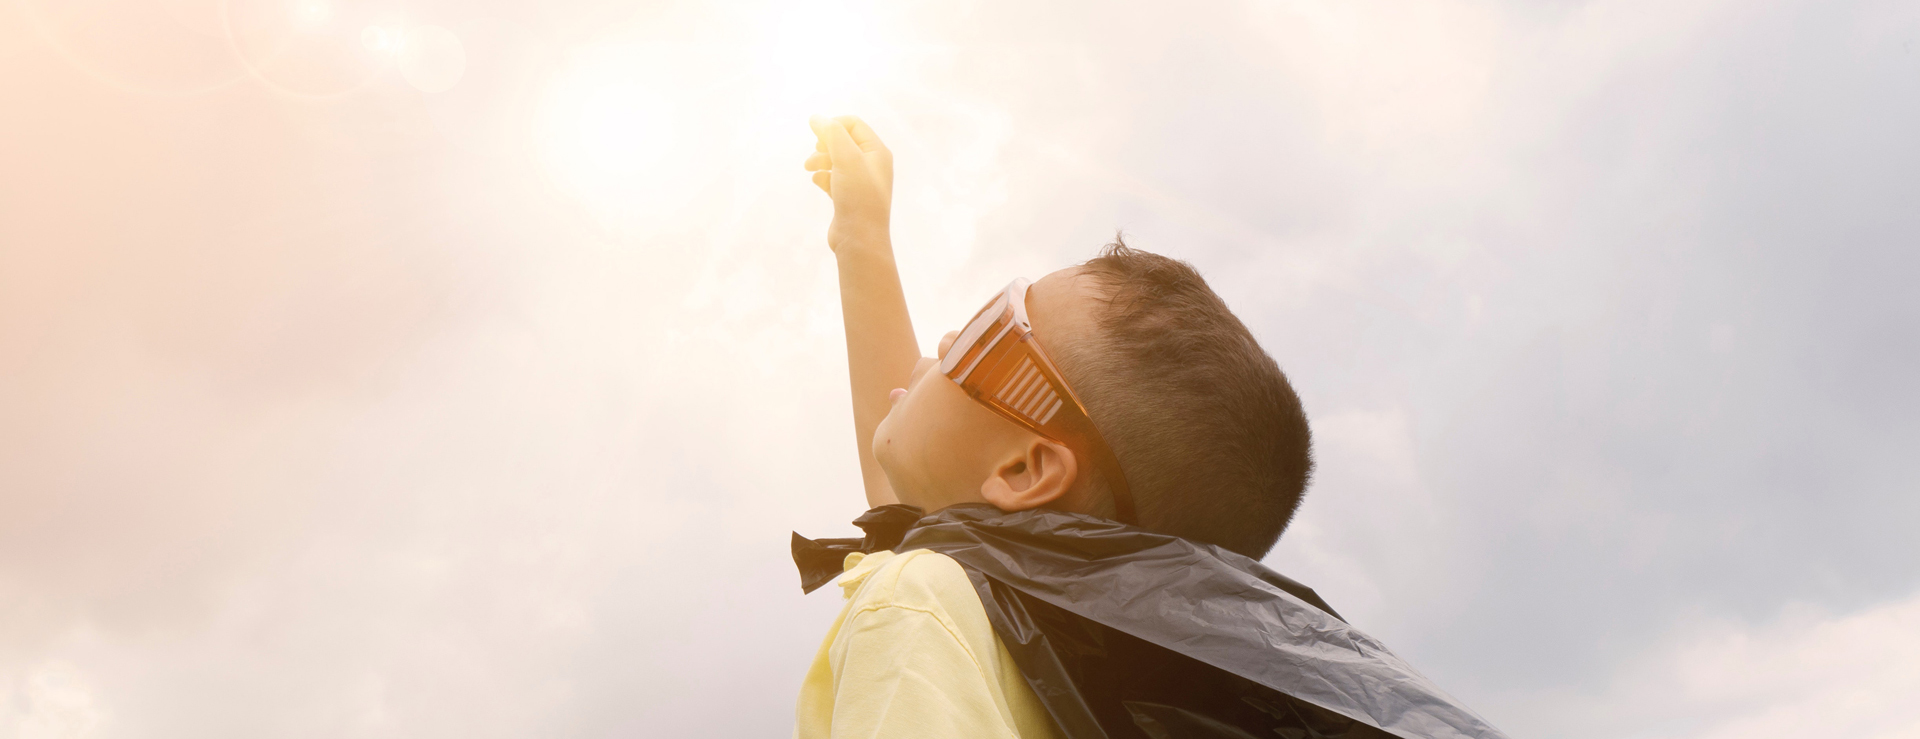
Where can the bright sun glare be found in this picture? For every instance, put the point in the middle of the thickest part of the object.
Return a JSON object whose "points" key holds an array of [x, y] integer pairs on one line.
{"points": [[607, 133], [620, 123], [819, 57]]}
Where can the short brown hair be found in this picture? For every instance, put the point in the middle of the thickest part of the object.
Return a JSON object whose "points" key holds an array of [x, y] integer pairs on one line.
{"points": [[1209, 433]]}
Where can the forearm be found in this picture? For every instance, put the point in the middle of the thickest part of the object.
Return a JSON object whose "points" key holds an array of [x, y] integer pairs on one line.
{"points": [[881, 348]]}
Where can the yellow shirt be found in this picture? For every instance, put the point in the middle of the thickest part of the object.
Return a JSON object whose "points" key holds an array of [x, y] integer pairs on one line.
{"points": [[913, 655]]}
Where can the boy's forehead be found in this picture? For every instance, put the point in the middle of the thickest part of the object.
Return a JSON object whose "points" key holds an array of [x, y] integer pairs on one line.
{"points": [[1061, 303]]}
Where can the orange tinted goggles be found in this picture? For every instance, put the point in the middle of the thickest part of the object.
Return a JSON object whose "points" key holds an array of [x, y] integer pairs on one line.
{"points": [[997, 360]]}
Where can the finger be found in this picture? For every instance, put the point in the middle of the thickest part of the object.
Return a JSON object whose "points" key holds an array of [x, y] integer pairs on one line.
{"points": [[870, 144], [825, 181], [840, 144], [862, 133], [818, 124], [817, 162]]}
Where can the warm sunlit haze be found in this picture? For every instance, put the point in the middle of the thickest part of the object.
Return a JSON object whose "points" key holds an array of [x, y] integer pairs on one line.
{"points": [[416, 368]]}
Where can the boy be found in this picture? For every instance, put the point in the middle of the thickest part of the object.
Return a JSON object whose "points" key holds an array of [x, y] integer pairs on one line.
{"points": [[1106, 454]]}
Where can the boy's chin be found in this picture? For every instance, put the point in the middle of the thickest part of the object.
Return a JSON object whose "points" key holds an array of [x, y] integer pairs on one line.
{"points": [[909, 492]]}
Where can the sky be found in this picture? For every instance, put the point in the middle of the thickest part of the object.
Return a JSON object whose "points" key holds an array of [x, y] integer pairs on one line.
{"points": [[416, 368]]}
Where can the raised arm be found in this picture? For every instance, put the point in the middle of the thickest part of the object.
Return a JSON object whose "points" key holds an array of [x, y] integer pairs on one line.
{"points": [[853, 167]]}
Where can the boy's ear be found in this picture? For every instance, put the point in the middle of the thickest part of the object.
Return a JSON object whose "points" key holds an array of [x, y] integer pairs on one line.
{"points": [[1038, 474]]}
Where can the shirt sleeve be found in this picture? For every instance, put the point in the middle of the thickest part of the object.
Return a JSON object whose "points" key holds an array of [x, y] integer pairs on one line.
{"points": [[904, 673]]}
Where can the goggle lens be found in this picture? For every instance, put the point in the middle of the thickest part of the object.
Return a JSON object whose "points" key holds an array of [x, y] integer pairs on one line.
{"points": [[964, 347]]}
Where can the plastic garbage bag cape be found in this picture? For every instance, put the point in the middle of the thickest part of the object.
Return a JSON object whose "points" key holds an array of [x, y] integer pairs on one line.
{"points": [[1123, 632]]}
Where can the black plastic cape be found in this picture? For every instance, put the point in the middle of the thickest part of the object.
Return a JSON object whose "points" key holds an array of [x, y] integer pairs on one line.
{"points": [[1123, 632]]}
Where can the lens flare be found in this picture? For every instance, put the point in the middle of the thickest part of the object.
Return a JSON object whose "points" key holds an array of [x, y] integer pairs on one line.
{"points": [[623, 125], [311, 15], [382, 39], [432, 59]]}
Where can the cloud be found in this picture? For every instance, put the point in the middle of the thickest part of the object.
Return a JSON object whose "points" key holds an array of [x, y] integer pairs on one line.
{"points": [[358, 418], [53, 702], [1806, 672]]}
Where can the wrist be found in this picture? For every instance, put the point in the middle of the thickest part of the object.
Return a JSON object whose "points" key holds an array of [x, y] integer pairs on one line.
{"points": [[860, 241]]}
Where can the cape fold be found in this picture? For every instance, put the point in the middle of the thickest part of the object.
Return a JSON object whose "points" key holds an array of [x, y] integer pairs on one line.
{"points": [[1123, 632]]}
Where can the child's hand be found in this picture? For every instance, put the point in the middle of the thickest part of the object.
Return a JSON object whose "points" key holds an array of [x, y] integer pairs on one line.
{"points": [[856, 169]]}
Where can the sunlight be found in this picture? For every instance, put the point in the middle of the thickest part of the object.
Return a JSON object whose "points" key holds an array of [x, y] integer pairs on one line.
{"points": [[311, 14], [820, 56], [608, 134], [382, 39], [634, 126], [431, 58], [622, 127]]}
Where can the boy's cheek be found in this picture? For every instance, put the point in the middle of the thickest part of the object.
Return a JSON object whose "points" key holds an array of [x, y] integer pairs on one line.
{"points": [[883, 446], [900, 448], [892, 429], [910, 423]]}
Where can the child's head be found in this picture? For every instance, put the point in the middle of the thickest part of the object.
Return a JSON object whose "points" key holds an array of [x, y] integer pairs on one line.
{"points": [[1211, 437]]}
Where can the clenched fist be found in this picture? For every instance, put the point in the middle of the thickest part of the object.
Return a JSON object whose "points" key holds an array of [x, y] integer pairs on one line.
{"points": [[853, 167]]}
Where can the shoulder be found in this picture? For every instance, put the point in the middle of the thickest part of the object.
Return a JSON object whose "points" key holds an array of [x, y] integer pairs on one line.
{"points": [[917, 597], [920, 601], [915, 644], [917, 579]]}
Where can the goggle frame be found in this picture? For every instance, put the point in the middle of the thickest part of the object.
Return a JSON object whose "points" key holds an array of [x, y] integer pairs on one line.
{"points": [[1000, 363]]}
